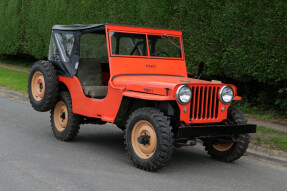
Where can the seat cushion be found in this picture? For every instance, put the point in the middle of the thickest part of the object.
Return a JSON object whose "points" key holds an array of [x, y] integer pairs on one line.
{"points": [[95, 91]]}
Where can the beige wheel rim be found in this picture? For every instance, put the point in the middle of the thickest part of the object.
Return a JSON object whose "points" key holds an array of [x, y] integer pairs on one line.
{"points": [[140, 130], [60, 116], [222, 147], [38, 86]]}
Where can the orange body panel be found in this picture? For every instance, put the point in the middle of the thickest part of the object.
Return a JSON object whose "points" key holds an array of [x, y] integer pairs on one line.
{"points": [[143, 30], [105, 109], [148, 78], [127, 65]]}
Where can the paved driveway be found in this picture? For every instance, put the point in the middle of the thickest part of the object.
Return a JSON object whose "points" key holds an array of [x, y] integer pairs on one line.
{"points": [[32, 159]]}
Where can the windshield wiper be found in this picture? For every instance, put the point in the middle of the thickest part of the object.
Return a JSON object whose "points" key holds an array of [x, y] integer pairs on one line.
{"points": [[167, 37]]}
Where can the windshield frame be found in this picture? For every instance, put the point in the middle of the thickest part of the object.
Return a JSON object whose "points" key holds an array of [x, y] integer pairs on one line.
{"points": [[147, 45]]}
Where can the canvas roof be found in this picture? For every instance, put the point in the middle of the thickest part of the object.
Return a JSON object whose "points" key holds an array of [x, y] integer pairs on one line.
{"points": [[78, 27]]}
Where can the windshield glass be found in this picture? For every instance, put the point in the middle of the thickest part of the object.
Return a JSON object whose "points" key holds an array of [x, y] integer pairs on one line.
{"points": [[136, 45], [164, 46], [128, 44]]}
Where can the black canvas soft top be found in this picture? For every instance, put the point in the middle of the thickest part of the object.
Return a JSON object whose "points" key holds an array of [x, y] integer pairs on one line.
{"points": [[68, 64], [93, 27], [78, 27]]}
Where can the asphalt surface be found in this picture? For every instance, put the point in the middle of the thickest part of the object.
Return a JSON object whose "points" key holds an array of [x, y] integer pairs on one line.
{"points": [[32, 159]]}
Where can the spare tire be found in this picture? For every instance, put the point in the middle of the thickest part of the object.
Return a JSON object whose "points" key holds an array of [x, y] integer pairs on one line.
{"points": [[43, 87]]}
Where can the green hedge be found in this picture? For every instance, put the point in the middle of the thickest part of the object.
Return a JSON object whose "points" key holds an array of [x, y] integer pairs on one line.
{"points": [[240, 41]]}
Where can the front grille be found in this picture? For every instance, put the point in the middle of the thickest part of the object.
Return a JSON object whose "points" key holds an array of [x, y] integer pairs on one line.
{"points": [[204, 103]]}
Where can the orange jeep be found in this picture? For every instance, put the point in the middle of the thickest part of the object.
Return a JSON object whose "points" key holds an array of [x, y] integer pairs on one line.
{"points": [[136, 78]]}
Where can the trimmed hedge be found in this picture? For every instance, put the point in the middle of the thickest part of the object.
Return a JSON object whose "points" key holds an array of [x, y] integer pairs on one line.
{"points": [[240, 41]]}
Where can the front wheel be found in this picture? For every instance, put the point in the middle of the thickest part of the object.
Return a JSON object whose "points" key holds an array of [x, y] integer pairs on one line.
{"points": [[231, 148], [148, 139]]}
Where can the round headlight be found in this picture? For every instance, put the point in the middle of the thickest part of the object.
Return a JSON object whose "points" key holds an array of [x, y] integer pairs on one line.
{"points": [[226, 95], [183, 94]]}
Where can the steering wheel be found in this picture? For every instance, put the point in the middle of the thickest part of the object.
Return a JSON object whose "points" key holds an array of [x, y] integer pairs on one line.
{"points": [[158, 53], [137, 48]]}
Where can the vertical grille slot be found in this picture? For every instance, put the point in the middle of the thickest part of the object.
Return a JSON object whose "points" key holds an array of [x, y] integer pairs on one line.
{"points": [[207, 101], [204, 104], [217, 102], [196, 102], [200, 103]]}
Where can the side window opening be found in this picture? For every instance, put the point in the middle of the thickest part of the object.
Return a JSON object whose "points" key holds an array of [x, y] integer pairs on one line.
{"points": [[93, 71], [53, 51], [61, 46]]}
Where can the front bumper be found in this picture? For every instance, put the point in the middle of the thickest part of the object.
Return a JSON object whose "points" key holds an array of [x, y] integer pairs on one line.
{"points": [[197, 131]]}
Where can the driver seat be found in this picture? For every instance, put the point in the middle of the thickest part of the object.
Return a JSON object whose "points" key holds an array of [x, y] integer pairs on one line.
{"points": [[91, 78]]}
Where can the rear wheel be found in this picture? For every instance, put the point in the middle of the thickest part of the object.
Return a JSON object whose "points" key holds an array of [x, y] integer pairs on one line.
{"points": [[231, 148], [43, 86], [65, 124], [148, 139]]}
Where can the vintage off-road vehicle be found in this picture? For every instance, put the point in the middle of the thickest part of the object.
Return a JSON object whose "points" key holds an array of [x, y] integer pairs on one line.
{"points": [[136, 78]]}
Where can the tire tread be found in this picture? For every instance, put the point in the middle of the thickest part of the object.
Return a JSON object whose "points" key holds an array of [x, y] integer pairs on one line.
{"points": [[164, 153], [241, 144], [74, 120], [51, 83]]}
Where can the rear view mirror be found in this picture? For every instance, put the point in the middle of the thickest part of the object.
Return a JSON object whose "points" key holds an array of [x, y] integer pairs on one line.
{"points": [[200, 69]]}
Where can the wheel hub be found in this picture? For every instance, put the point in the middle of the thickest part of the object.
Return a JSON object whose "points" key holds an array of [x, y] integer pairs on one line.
{"points": [[63, 116], [38, 86], [60, 116], [223, 146], [144, 140]]}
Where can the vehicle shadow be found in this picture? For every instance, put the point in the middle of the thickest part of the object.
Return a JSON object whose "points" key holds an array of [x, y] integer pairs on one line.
{"points": [[110, 140]]}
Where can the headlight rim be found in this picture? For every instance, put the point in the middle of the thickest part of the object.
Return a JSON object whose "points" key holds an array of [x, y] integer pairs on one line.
{"points": [[220, 95], [177, 94]]}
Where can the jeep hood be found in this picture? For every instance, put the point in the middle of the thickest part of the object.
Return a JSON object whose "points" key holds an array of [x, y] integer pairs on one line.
{"points": [[154, 84]]}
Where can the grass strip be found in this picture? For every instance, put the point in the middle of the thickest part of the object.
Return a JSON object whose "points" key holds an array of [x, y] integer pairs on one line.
{"points": [[14, 80], [270, 138], [263, 114]]}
